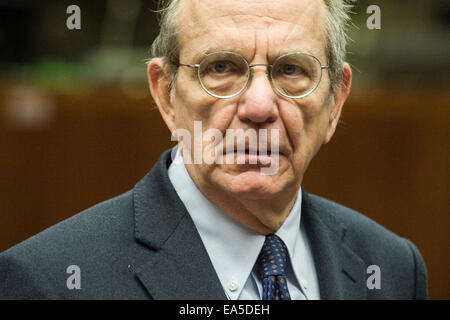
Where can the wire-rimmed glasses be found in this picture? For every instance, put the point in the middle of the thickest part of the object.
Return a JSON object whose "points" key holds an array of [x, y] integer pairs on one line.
{"points": [[226, 74]]}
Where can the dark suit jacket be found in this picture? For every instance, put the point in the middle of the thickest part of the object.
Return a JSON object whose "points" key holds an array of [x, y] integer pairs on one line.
{"points": [[144, 245]]}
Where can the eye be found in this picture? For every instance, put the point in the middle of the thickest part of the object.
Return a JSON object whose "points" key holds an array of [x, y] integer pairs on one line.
{"points": [[291, 70], [220, 66]]}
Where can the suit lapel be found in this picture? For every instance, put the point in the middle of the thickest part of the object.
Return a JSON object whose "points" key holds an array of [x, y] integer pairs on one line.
{"points": [[177, 266], [340, 271]]}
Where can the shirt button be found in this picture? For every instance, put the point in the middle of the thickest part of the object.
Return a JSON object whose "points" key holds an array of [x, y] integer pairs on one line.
{"points": [[232, 285], [305, 284]]}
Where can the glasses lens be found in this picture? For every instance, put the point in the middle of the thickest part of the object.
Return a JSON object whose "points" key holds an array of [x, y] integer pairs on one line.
{"points": [[223, 74], [296, 75]]}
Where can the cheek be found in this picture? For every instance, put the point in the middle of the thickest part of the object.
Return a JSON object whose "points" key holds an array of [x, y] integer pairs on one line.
{"points": [[293, 120], [192, 104], [305, 124], [188, 101]]}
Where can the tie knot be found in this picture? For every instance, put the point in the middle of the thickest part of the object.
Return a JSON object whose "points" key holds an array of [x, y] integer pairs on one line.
{"points": [[272, 259]]}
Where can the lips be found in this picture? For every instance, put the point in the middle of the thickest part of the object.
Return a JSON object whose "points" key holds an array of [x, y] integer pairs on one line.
{"points": [[250, 157], [251, 146], [252, 152]]}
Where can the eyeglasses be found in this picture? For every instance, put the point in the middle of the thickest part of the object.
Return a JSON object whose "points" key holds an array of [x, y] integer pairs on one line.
{"points": [[227, 74]]}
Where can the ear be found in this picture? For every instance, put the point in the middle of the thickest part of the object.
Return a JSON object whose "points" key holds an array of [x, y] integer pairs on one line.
{"points": [[339, 96], [159, 83]]}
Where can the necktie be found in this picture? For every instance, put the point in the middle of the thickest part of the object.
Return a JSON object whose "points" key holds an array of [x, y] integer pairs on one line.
{"points": [[272, 265]]}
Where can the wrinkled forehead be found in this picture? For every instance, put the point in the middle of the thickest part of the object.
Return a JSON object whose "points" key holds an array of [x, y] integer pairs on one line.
{"points": [[280, 23]]}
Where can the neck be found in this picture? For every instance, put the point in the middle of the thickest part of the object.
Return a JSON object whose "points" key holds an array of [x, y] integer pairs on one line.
{"points": [[264, 216]]}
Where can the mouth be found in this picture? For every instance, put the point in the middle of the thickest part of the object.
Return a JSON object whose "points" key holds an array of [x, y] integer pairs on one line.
{"points": [[251, 157]]}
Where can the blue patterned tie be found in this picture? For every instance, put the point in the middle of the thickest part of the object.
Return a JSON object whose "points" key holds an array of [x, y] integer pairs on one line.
{"points": [[272, 264]]}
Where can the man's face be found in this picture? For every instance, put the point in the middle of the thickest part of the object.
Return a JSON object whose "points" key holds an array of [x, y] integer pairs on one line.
{"points": [[260, 31]]}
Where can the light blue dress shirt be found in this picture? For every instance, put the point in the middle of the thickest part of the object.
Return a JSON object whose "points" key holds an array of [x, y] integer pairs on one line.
{"points": [[233, 248]]}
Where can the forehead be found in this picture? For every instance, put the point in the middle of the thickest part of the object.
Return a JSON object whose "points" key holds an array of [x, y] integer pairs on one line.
{"points": [[251, 26]]}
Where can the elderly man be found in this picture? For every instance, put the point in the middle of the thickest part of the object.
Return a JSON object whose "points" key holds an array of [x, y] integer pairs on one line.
{"points": [[221, 217]]}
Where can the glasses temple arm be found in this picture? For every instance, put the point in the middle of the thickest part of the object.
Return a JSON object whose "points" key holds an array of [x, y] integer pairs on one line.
{"points": [[189, 65]]}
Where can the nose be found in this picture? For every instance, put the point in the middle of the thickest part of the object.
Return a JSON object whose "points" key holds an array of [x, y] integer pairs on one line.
{"points": [[258, 103]]}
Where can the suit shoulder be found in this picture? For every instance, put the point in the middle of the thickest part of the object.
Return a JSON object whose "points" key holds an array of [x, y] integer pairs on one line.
{"points": [[104, 222], [94, 240], [403, 267], [334, 213], [376, 245], [365, 236]]}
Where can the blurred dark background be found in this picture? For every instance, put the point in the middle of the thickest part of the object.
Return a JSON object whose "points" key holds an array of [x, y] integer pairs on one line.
{"points": [[78, 126]]}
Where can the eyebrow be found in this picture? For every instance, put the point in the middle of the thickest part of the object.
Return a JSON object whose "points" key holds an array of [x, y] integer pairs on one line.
{"points": [[200, 55]]}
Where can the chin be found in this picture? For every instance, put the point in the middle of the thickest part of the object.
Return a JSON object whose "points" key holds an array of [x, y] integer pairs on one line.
{"points": [[252, 185]]}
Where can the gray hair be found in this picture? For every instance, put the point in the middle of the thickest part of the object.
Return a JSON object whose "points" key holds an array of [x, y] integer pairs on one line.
{"points": [[166, 43]]}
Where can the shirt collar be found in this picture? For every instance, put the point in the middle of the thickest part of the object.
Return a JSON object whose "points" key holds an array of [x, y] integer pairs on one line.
{"points": [[289, 232], [232, 248]]}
